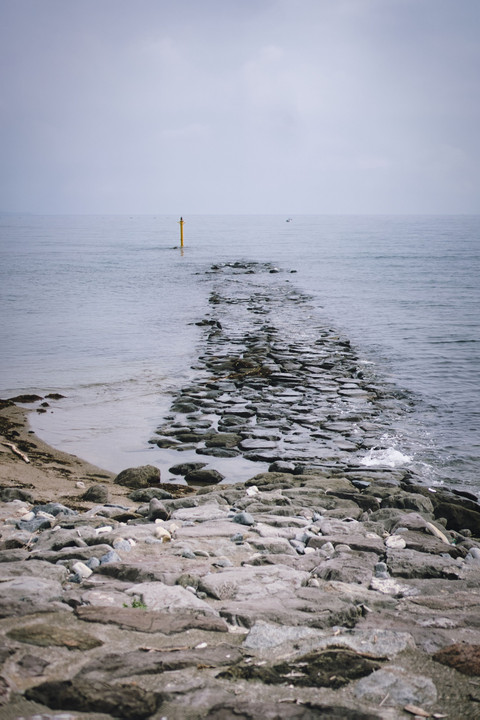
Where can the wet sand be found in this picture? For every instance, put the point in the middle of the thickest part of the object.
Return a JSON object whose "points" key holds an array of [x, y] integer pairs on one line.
{"points": [[50, 475]]}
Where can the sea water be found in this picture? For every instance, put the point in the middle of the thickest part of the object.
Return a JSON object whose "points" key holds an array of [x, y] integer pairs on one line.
{"points": [[102, 309]]}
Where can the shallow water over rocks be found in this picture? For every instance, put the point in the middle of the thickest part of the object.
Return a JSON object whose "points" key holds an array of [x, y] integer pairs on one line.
{"points": [[271, 389]]}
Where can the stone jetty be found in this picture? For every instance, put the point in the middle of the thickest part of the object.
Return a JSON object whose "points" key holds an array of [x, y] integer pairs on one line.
{"points": [[270, 385], [315, 588]]}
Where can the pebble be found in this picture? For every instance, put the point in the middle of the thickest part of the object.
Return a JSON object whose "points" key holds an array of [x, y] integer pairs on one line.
{"points": [[103, 530], [243, 518], [395, 542], [120, 544], [162, 533], [237, 538], [81, 569]]}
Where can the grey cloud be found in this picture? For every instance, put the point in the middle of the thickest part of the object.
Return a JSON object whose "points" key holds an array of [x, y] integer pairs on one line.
{"points": [[228, 106]]}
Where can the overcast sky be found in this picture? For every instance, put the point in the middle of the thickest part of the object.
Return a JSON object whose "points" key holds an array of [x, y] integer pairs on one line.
{"points": [[240, 106]]}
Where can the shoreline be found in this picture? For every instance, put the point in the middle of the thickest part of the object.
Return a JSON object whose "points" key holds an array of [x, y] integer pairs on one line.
{"points": [[48, 469]]}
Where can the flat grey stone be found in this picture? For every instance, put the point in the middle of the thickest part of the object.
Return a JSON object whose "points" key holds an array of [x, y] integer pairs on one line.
{"points": [[204, 513], [158, 596], [215, 528], [252, 582], [273, 546], [348, 568], [394, 686], [34, 568], [412, 564], [265, 635], [167, 623], [27, 595]]}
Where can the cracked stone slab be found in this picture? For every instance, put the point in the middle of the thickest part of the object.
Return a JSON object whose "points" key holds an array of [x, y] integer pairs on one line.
{"points": [[394, 686], [253, 583], [146, 621], [158, 596]]}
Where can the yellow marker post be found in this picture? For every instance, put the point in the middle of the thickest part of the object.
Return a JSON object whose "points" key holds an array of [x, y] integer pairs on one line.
{"points": [[181, 221]]}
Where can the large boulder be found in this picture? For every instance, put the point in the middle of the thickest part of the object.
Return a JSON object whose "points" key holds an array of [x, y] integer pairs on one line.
{"points": [[139, 477]]}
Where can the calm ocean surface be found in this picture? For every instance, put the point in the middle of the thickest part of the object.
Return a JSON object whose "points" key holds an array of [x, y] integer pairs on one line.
{"points": [[102, 310]]}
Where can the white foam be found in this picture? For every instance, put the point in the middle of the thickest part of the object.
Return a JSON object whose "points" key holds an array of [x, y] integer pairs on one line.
{"points": [[388, 457]]}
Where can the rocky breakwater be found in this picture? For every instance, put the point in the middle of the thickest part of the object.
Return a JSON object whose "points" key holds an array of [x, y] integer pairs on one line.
{"points": [[272, 384], [324, 594]]}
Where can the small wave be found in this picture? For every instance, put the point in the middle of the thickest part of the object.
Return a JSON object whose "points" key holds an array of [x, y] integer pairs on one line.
{"points": [[388, 457], [461, 341]]}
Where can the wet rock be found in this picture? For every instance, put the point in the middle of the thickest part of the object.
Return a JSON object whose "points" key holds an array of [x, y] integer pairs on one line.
{"points": [[184, 406], [139, 477], [409, 501], [308, 608], [26, 398], [185, 468], [120, 700], [166, 443], [204, 477], [220, 452], [463, 657], [459, 517], [223, 440], [282, 467], [325, 668], [257, 444]]}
